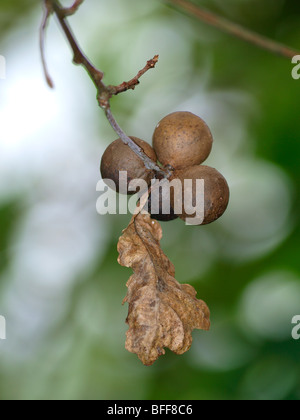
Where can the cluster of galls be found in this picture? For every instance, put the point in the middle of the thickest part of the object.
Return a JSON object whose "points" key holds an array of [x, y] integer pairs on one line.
{"points": [[181, 142]]}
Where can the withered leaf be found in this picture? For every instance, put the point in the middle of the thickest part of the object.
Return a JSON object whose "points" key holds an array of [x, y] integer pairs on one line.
{"points": [[162, 312]]}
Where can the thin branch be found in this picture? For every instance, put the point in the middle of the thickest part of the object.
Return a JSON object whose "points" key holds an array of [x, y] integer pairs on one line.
{"points": [[105, 93], [136, 80], [79, 58], [149, 163], [235, 29], [47, 13]]}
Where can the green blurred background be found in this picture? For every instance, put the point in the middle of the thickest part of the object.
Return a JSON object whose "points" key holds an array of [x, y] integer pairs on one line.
{"points": [[60, 285]]}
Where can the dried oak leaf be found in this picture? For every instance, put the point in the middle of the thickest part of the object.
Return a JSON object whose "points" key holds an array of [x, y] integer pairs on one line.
{"points": [[162, 312]]}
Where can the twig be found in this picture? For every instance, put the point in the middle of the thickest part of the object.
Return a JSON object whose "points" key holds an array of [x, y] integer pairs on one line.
{"points": [[68, 11], [235, 29], [47, 14], [105, 93], [79, 58], [123, 87], [149, 164]]}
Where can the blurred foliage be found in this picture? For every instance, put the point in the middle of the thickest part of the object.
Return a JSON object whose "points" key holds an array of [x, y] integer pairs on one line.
{"points": [[80, 355], [8, 219], [13, 11]]}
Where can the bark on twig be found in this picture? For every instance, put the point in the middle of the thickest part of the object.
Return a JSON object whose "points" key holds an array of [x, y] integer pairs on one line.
{"points": [[234, 29], [105, 93]]}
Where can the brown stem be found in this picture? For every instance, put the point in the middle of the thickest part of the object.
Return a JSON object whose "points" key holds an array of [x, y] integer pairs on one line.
{"points": [[104, 92], [149, 163], [79, 57], [68, 11], [47, 14], [235, 29], [123, 87]]}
